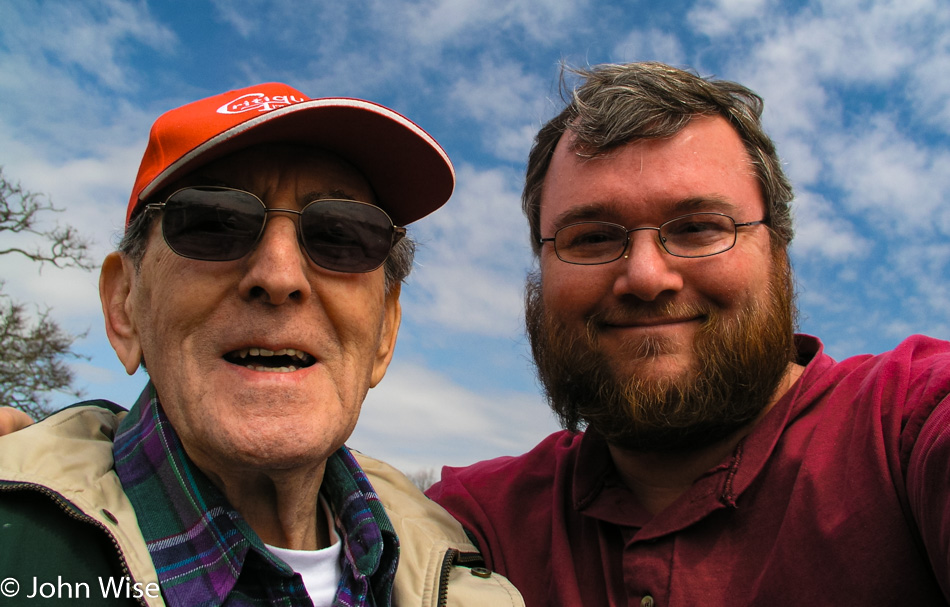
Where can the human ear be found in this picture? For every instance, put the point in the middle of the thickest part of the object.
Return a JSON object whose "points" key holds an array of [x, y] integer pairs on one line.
{"points": [[392, 316], [115, 293]]}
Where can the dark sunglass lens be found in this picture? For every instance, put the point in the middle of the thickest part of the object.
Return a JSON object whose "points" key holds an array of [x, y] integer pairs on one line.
{"points": [[346, 236], [212, 224]]}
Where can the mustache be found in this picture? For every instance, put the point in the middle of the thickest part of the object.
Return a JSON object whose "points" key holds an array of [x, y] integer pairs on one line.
{"points": [[636, 312]]}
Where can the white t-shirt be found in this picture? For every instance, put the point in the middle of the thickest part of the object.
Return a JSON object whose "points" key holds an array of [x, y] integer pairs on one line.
{"points": [[320, 569]]}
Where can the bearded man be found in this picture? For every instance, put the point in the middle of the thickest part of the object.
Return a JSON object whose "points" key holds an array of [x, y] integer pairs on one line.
{"points": [[723, 458]]}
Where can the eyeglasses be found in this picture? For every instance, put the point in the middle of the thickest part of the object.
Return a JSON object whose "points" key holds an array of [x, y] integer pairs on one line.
{"points": [[693, 235], [212, 223]]}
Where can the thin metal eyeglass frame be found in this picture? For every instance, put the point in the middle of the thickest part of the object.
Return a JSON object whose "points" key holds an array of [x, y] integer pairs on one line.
{"points": [[660, 239], [399, 232]]}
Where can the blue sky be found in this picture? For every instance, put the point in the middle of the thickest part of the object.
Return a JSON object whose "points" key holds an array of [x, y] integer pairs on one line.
{"points": [[857, 98]]}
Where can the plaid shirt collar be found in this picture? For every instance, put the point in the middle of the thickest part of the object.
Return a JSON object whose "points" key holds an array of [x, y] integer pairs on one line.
{"points": [[205, 553]]}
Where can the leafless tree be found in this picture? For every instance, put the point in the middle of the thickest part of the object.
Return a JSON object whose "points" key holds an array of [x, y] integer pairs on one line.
{"points": [[423, 479], [34, 349]]}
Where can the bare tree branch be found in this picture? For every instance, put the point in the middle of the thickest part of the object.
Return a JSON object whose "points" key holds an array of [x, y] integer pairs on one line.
{"points": [[34, 349], [423, 479], [34, 358], [19, 214]]}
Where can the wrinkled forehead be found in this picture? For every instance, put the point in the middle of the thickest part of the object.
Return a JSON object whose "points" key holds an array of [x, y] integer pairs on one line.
{"points": [[270, 168]]}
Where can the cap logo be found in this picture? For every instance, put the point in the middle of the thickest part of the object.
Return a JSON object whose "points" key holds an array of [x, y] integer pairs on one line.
{"points": [[257, 102]]}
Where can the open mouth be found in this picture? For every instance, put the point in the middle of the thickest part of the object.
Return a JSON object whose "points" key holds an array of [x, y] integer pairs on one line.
{"points": [[285, 360]]}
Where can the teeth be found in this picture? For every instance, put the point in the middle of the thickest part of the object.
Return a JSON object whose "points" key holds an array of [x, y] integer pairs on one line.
{"points": [[263, 352], [272, 369], [298, 355]]}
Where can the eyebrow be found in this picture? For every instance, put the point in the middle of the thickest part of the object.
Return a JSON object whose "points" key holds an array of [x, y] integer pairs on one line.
{"points": [[334, 194], [612, 212], [586, 212], [702, 204]]}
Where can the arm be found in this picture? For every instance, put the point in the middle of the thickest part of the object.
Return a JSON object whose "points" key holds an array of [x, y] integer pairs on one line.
{"points": [[928, 489]]}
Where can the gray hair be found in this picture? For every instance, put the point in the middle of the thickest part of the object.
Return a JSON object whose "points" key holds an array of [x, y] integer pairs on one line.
{"points": [[135, 241], [619, 103]]}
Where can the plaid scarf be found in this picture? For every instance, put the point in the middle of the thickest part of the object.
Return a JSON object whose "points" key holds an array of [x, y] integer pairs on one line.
{"points": [[206, 554]]}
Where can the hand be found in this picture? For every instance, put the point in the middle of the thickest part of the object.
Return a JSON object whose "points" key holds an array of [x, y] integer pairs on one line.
{"points": [[12, 420]]}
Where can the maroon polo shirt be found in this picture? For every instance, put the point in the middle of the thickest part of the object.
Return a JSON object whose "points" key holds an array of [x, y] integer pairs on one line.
{"points": [[840, 496]]}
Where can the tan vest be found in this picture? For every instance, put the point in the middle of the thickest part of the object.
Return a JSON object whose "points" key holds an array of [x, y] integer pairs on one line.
{"points": [[433, 548]]}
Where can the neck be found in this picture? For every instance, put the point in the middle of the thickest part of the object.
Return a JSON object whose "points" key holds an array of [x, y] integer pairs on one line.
{"points": [[282, 506], [659, 479]]}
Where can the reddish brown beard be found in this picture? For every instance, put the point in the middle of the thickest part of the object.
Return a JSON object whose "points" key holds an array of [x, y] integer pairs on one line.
{"points": [[740, 363]]}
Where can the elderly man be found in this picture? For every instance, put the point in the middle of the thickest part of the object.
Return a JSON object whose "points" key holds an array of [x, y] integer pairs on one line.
{"points": [[258, 283], [726, 460]]}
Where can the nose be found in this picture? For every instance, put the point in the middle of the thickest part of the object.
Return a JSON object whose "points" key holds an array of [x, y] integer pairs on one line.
{"points": [[277, 268], [648, 271]]}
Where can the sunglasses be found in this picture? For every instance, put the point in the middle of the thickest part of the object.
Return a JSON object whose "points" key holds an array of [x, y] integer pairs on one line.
{"points": [[212, 223]]}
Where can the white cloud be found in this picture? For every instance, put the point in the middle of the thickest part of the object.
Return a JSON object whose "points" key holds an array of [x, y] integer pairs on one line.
{"points": [[448, 22], [504, 100], [437, 21], [372, 43], [719, 17], [88, 373], [892, 179], [928, 91], [473, 257], [513, 143], [483, 218], [89, 35], [821, 231], [496, 91], [919, 270], [243, 16], [812, 64], [463, 297], [796, 102], [418, 418], [72, 294], [650, 45], [289, 24], [875, 42], [849, 41], [800, 161]]}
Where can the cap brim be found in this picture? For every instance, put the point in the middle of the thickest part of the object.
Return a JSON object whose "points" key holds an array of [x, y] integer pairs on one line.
{"points": [[410, 173]]}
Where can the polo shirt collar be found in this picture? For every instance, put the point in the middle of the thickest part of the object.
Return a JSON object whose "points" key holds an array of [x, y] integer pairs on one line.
{"points": [[599, 493]]}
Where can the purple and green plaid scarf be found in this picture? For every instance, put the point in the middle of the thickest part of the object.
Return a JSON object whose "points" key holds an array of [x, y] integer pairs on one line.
{"points": [[206, 554]]}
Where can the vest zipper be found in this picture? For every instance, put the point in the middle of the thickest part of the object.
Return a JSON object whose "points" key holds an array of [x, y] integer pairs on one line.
{"points": [[454, 557]]}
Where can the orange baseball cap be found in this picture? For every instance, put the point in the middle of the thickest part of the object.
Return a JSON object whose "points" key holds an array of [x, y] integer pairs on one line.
{"points": [[409, 171]]}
